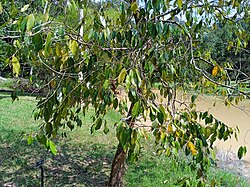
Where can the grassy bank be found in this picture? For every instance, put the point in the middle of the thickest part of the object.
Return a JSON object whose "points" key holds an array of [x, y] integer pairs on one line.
{"points": [[83, 159]]}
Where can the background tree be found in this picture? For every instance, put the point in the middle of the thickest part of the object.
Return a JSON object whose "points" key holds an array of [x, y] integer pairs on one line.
{"points": [[136, 49], [221, 40]]}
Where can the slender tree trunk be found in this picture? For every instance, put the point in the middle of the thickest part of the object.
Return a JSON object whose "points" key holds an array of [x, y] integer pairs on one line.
{"points": [[118, 165], [118, 168]]}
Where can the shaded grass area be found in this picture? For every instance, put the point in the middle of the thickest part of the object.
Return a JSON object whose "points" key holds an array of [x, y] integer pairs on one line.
{"points": [[83, 159]]}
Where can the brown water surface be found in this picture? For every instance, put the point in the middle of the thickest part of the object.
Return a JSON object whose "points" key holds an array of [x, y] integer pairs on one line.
{"points": [[232, 116]]}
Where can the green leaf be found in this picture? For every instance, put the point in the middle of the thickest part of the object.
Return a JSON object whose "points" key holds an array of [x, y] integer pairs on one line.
{"points": [[30, 22], [38, 42], [15, 65], [204, 115], [136, 110], [79, 122], [160, 117], [52, 147], [221, 131], [41, 139], [115, 103], [193, 98], [179, 3], [122, 75], [46, 115], [23, 24], [153, 31], [106, 129], [119, 129], [98, 124], [199, 157], [133, 137], [106, 84], [48, 44], [209, 119], [242, 151], [25, 7], [48, 128], [198, 26], [30, 140], [123, 134], [168, 152]]}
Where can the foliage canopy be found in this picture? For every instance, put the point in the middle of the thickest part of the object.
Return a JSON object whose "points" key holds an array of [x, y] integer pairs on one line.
{"points": [[86, 60]]}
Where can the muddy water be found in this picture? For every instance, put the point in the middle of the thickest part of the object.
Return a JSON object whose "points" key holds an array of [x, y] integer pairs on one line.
{"points": [[232, 116]]}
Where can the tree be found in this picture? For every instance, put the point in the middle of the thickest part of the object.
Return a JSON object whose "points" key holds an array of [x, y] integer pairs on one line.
{"points": [[219, 41], [136, 48]]}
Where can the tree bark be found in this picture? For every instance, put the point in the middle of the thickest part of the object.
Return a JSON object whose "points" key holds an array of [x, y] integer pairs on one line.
{"points": [[118, 168], [118, 165]]}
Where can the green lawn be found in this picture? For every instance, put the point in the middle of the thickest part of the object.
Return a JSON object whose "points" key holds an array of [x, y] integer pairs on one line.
{"points": [[83, 159], [7, 84]]}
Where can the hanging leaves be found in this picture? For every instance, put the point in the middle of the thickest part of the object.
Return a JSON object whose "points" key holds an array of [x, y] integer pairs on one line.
{"points": [[153, 53], [215, 70], [242, 151], [134, 7], [30, 22], [179, 3], [38, 42], [136, 110], [15, 65], [122, 75], [192, 148], [48, 44], [73, 46], [52, 147]]}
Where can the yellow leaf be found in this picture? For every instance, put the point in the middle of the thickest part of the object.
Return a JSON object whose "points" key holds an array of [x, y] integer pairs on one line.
{"points": [[233, 4], [53, 83], [221, 2], [58, 50], [122, 75], [16, 65], [179, 2], [192, 148], [25, 7], [73, 46], [1, 8], [134, 7], [215, 70], [170, 128], [230, 44]]}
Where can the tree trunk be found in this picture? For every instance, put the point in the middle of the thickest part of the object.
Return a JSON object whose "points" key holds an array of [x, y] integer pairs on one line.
{"points": [[118, 165], [118, 168]]}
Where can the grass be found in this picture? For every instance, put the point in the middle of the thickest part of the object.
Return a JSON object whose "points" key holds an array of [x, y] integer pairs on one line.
{"points": [[7, 84], [83, 159], [161, 172]]}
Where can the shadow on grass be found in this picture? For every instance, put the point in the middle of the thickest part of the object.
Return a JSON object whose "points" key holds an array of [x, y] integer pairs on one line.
{"points": [[4, 95], [81, 164]]}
